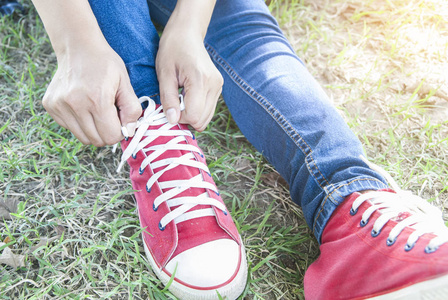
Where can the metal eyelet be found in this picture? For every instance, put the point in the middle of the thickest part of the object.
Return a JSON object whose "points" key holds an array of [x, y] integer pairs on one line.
{"points": [[353, 212], [162, 228], [363, 223], [408, 247], [217, 193], [154, 207], [134, 156], [375, 233], [225, 212], [429, 250], [390, 242], [148, 189], [141, 171]]}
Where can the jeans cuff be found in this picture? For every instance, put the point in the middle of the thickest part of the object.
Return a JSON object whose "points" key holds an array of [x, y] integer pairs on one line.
{"points": [[336, 194]]}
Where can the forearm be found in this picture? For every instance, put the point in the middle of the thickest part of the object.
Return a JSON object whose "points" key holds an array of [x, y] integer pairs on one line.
{"points": [[69, 24], [191, 15]]}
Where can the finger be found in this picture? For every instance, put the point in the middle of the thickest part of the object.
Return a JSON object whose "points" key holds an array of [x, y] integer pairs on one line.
{"points": [[129, 108], [69, 122], [73, 125], [60, 121], [209, 111], [82, 125], [108, 125], [53, 109], [200, 109], [169, 95], [194, 100]]}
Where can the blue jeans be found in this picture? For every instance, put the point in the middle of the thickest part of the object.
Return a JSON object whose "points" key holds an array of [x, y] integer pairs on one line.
{"points": [[274, 100]]}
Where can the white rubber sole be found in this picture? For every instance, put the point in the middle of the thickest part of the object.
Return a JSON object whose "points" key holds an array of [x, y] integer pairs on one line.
{"points": [[230, 291], [434, 289]]}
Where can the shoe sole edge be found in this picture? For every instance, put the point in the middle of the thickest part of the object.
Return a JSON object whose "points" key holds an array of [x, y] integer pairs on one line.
{"points": [[232, 290], [434, 289]]}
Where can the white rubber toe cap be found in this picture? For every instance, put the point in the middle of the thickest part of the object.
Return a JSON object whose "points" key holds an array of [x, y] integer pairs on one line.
{"points": [[210, 264]]}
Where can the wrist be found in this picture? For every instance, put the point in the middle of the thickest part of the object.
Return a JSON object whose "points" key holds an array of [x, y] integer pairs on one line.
{"points": [[191, 16], [78, 43], [69, 24]]}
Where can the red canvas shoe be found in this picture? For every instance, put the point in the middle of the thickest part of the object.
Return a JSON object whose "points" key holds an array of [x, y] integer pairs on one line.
{"points": [[189, 234], [382, 245]]}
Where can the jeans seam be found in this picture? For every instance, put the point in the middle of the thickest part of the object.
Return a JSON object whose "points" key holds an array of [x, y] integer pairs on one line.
{"points": [[306, 149], [336, 190], [163, 8]]}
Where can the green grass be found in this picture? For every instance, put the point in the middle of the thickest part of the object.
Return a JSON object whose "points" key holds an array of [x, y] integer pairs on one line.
{"points": [[76, 221]]}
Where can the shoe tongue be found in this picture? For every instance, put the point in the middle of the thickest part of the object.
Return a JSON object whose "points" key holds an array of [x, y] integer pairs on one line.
{"points": [[401, 216]]}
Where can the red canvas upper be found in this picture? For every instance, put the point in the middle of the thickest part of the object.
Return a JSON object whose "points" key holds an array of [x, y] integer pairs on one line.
{"points": [[174, 238], [355, 265]]}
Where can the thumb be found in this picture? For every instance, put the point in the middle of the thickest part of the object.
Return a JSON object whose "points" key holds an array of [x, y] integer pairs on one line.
{"points": [[129, 108]]}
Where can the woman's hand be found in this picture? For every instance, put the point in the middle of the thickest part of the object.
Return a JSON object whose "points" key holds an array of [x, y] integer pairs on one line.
{"points": [[183, 62], [91, 95]]}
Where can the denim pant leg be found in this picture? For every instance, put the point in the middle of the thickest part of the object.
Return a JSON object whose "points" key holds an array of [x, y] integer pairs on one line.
{"points": [[282, 110], [274, 100], [128, 29]]}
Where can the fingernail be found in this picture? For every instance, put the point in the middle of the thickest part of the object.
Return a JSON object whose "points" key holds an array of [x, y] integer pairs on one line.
{"points": [[171, 115], [131, 128]]}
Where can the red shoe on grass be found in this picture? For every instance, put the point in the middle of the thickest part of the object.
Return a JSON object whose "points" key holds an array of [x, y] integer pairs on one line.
{"points": [[382, 245], [189, 234]]}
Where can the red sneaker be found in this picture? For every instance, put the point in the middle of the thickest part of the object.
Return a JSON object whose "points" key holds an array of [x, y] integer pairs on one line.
{"points": [[188, 230], [382, 245]]}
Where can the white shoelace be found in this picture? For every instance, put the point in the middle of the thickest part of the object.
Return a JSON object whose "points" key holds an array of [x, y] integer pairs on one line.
{"points": [[411, 211], [181, 205]]}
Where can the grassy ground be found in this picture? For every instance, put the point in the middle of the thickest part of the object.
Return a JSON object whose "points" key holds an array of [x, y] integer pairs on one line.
{"points": [[69, 221]]}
